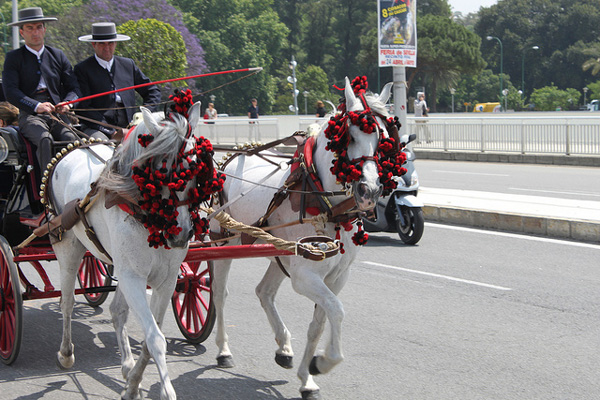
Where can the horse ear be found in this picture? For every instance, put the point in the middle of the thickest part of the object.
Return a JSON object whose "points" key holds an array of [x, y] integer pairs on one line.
{"points": [[385, 93], [149, 121], [350, 97], [194, 114]]}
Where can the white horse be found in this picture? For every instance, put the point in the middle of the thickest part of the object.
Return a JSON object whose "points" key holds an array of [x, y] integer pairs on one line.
{"points": [[125, 239], [320, 281]]}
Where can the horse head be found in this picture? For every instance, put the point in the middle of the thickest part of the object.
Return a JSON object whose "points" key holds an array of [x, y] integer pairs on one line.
{"points": [[366, 126], [172, 156]]}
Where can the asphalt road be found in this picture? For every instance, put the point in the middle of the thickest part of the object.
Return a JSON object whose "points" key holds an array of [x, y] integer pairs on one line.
{"points": [[567, 182], [465, 314]]}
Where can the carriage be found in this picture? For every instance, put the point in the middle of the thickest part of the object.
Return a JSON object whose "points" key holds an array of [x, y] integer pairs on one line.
{"points": [[21, 212], [362, 144]]}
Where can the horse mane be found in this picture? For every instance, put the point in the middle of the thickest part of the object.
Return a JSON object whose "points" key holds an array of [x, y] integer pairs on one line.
{"points": [[117, 176]]}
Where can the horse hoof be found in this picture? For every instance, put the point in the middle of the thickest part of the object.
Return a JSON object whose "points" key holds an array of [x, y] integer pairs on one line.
{"points": [[311, 395], [286, 362], [225, 362], [65, 362], [312, 368], [125, 395]]}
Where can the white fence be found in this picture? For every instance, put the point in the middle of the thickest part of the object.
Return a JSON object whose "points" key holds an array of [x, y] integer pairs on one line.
{"points": [[555, 135], [239, 130], [527, 134]]}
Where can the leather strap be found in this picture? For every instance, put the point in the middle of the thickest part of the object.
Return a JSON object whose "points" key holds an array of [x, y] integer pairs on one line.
{"points": [[323, 250], [89, 231]]}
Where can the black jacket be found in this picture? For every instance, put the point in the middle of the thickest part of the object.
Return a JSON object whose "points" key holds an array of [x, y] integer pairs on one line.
{"points": [[22, 73], [94, 79]]}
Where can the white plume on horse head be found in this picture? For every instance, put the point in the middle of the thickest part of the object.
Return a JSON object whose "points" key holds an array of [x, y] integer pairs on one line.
{"points": [[150, 122], [194, 114], [352, 103], [386, 92]]}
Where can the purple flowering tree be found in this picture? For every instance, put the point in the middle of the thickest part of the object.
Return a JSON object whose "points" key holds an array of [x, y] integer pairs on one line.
{"points": [[78, 21]]}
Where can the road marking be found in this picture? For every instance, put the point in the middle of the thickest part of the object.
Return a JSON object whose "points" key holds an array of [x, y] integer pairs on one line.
{"points": [[557, 192], [515, 235], [467, 173], [450, 278]]}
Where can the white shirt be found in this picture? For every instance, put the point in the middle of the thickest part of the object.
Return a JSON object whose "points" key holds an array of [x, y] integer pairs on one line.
{"points": [[38, 54], [107, 65]]}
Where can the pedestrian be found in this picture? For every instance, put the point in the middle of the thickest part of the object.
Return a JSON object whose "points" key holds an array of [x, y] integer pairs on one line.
{"points": [[320, 109], [210, 115], [105, 72], [39, 80], [253, 110], [421, 112], [253, 113]]}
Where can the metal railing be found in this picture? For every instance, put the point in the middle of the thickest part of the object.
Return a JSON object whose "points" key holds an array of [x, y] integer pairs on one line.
{"points": [[570, 135], [238, 130], [525, 135]]}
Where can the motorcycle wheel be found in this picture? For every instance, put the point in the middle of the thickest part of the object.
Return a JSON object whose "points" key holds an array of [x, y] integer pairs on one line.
{"points": [[412, 232]]}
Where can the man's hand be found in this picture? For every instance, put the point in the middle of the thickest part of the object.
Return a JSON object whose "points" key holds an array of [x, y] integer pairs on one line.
{"points": [[61, 108], [45, 107]]}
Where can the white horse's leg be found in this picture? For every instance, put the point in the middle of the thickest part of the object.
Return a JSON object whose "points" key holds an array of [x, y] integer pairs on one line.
{"points": [[134, 291], [69, 253], [266, 291], [329, 307], [309, 389], [220, 273], [119, 310]]}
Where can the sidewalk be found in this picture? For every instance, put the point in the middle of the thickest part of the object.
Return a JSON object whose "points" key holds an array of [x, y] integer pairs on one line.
{"points": [[556, 218]]}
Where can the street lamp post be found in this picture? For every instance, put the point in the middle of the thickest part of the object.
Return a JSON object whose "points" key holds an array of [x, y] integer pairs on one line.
{"points": [[523, 68], [501, 61], [292, 79], [305, 94], [452, 91], [585, 90], [212, 98]]}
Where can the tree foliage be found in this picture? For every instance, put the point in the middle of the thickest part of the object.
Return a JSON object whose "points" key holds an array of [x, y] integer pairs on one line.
{"points": [[556, 26], [150, 37], [592, 64], [550, 98], [445, 50], [238, 34]]}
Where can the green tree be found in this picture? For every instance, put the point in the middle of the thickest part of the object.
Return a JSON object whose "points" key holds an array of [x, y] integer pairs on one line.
{"points": [[150, 38], [554, 25], [593, 63], [445, 50], [311, 79], [237, 34], [550, 98], [594, 90]]}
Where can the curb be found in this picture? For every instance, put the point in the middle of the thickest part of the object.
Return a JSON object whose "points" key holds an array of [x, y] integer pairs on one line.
{"points": [[579, 230], [515, 158]]}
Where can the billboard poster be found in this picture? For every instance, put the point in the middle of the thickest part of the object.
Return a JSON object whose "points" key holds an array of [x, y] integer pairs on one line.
{"points": [[397, 33]]}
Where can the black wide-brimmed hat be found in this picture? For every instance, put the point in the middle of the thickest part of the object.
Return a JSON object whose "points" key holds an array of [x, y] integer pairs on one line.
{"points": [[29, 15], [104, 32]]}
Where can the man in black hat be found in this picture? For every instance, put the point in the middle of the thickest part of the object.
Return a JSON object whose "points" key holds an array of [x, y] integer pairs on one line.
{"points": [[39, 79], [105, 72]]}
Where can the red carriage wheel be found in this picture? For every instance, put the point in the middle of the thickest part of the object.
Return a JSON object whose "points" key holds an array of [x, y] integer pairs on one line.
{"points": [[11, 305], [94, 273], [192, 301]]}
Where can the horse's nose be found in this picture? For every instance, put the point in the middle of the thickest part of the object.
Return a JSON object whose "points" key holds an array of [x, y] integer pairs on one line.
{"points": [[367, 197], [181, 240], [365, 192]]}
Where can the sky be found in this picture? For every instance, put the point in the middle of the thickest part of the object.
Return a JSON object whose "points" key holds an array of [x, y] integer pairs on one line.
{"points": [[469, 6]]}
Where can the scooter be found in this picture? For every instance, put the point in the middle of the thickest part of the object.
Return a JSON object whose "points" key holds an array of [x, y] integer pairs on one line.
{"points": [[401, 211]]}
